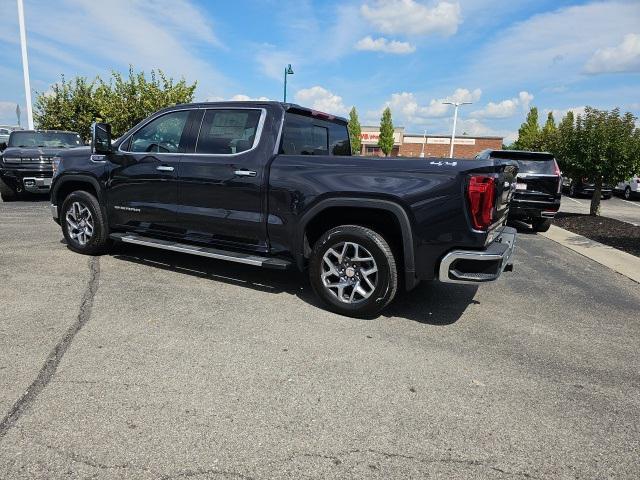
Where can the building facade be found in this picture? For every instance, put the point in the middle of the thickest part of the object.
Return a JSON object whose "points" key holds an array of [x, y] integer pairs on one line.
{"points": [[413, 145]]}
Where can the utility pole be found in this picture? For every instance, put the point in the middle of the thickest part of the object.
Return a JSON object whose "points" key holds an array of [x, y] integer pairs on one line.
{"points": [[287, 71], [25, 64], [455, 121], [424, 140]]}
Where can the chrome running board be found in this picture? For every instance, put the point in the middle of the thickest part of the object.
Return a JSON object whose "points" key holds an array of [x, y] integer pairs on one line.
{"points": [[237, 257]]}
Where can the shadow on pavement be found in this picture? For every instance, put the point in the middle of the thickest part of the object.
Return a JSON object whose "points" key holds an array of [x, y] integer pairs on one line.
{"points": [[430, 303]]}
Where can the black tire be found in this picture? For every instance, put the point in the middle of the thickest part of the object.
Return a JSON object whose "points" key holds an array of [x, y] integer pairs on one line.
{"points": [[606, 197], [386, 277], [627, 193], [7, 193], [98, 242], [542, 224], [572, 190]]}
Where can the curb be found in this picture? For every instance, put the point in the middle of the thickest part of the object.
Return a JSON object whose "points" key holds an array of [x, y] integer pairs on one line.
{"points": [[622, 262]]}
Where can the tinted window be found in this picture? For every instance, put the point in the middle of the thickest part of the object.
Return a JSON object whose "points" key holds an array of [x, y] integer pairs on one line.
{"points": [[162, 135], [339, 139], [529, 162], [309, 136], [536, 166], [45, 139], [228, 131]]}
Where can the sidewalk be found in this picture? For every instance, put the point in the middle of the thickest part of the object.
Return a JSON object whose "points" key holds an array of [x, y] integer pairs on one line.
{"points": [[617, 260]]}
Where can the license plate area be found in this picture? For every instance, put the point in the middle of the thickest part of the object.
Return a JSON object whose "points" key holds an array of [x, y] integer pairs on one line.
{"points": [[521, 186]]}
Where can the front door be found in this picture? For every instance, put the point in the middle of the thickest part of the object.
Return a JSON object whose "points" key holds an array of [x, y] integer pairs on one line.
{"points": [[220, 189], [143, 189]]}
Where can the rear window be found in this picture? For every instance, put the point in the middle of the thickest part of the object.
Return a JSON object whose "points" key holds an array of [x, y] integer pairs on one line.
{"points": [[529, 162], [304, 135]]}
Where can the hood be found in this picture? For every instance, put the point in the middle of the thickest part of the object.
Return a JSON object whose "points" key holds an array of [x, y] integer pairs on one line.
{"points": [[34, 152]]}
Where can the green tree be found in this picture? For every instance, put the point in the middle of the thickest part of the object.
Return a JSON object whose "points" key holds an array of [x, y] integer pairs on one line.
{"points": [[122, 102], [548, 134], [606, 149], [67, 106], [529, 135], [564, 148], [354, 132], [385, 141]]}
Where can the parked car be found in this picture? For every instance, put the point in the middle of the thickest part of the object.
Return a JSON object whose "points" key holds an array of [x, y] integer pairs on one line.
{"points": [[25, 165], [584, 187], [273, 185], [4, 137], [538, 188], [630, 188]]}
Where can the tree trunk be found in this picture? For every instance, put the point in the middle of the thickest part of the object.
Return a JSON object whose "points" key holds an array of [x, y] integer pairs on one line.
{"points": [[597, 195]]}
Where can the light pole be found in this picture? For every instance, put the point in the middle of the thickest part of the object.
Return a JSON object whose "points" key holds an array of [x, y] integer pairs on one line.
{"points": [[455, 120], [287, 71], [424, 140], [25, 64]]}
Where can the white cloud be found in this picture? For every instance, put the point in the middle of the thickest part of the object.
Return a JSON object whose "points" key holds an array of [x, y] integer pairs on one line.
{"points": [[407, 109], [412, 18], [624, 57], [240, 97], [321, 99], [553, 45], [383, 45], [159, 34], [506, 108]]}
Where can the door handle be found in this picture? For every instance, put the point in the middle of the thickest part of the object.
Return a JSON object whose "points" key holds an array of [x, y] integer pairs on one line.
{"points": [[164, 168], [245, 173]]}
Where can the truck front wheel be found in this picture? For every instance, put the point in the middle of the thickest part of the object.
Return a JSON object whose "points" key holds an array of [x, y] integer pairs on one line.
{"points": [[353, 270], [83, 224]]}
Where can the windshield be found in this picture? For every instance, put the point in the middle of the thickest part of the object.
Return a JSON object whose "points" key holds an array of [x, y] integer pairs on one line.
{"points": [[45, 139], [529, 162]]}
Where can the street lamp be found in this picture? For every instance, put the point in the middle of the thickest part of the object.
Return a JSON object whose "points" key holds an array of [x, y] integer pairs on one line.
{"points": [[455, 120], [25, 64], [287, 71]]}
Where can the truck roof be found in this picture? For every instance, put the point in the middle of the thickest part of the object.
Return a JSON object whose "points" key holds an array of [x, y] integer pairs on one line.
{"points": [[288, 107]]}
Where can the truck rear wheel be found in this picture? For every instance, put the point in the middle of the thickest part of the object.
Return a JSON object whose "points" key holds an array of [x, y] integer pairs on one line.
{"points": [[353, 271], [542, 224], [83, 224]]}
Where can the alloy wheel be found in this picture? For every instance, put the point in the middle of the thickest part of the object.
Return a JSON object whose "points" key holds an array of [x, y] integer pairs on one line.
{"points": [[349, 272], [80, 223]]}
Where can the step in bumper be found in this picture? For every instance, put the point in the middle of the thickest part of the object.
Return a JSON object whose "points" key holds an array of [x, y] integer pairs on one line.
{"points": [[478, 266]]}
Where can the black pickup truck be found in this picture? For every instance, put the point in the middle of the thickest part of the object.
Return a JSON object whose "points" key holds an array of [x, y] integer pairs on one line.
{"points": [[25, 165], [274, 185]]}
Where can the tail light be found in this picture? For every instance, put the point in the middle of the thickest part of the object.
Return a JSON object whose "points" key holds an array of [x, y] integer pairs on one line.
{"points": [[556, 170], [481, 195]]}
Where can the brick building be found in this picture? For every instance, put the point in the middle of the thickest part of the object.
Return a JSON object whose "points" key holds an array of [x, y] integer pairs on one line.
{"points": [[411, 145]]}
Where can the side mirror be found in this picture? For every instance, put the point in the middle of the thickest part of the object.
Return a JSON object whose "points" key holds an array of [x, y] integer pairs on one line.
{"points": [[100, 138]]}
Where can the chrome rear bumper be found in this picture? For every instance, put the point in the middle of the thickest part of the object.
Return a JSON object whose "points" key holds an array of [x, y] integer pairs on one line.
{"points": [[477, 266]]}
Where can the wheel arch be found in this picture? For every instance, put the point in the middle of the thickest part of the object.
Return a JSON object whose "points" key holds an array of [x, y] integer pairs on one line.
{"points": [[347, 207], [70, 183]]}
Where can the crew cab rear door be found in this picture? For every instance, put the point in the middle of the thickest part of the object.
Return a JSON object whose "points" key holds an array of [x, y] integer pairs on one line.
{"points": [[220, 193]]}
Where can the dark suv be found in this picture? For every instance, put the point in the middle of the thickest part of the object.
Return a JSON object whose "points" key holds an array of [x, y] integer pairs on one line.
{"points": [[26, 164], [538, 187]]}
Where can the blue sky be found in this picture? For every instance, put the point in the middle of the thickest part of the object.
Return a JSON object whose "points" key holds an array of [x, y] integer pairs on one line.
{"points": [[409, 54]]}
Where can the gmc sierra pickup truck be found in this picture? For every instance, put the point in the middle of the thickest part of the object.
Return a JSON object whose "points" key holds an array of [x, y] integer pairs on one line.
{"points": [[274, 185]]}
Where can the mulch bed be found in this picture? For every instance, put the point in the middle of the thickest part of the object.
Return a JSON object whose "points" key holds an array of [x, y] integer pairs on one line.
{"points": [[616, 234]]}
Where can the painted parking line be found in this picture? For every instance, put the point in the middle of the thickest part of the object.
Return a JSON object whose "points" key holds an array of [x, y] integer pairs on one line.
{"points": [[574, 200], [631, 203]]}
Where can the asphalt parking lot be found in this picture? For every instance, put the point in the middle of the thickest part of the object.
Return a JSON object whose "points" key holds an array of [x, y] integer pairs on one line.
{"points": [[144, 364], [615, 207]]}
